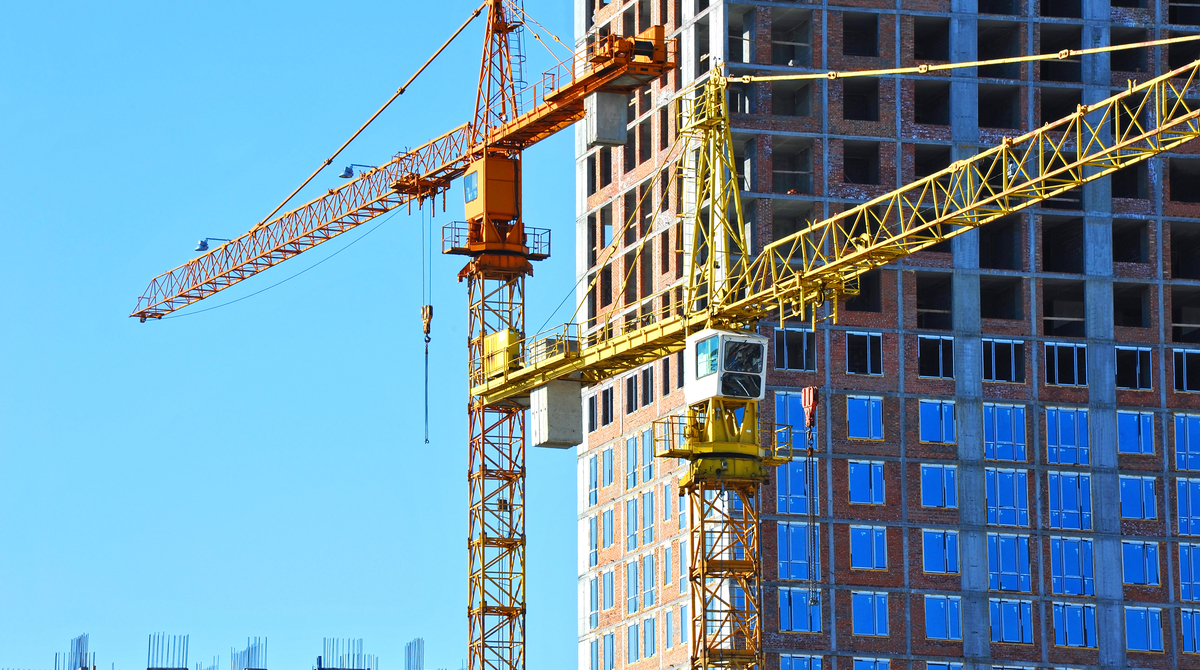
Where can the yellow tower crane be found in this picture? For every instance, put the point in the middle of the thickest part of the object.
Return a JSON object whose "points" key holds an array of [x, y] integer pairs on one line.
{"points": [[728, 290]]}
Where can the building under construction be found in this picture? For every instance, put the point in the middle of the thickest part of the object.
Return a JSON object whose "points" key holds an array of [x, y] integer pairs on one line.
{"points": [[1008, 448]]}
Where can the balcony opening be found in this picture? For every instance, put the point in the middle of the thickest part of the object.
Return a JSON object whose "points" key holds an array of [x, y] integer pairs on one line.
{"points": [[1063, 9], [1000, 244], [998, 39], [1185, 251], [1072, 198], [1185, 314], [1185, 180], [791, 166], [741, 98], [791, 37], [791, 98], [1130, 182], [860, 162], [1055, 38], [869, 298], [1009, 7], [931, 38], [1182, 53], [703, 60], [929, 159], [1183, 12], [935, 300], [1059, 102], [860, 99], [1000, 298], [1062, 245], [931, 102], [1131, 305], [745, 155], [999, 106], [1062, 309], [860, 34], [1131, 241], [741, 36], [1127, 60], [1131, 4], [789, 216]]}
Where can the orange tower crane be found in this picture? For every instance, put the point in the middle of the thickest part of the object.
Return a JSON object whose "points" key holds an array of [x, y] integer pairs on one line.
{"points": [[487, 152]]}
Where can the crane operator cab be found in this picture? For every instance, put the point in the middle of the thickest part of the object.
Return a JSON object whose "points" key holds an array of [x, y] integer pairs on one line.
{"points": [[724, 364]]}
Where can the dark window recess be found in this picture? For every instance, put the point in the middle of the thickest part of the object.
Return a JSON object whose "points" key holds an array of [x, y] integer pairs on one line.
{"points": [[934, 301], [1066, 9], [1130, 182], [1132, 4], [935, 357], [860, 34], [1062, 245], [1127, 60], [931, 102], [1066, 364], [593, 414], [1000, 244], [791, 99], [606, 406], [864, 353], [1131, 305], [999, 106], [868, 298], [860, 162], [791, 167], [795, 349], [1062, 309], [931, 38], [629, 151], [647, 385], [1000, 298], [998, 7], [645, 141], [790, 216], [1133, 369], [1185, 251], [591, 176], [1185, 180], [1185, 315], [631, 394], [995, 40], [1059, 102], [1182, 53], [791, 38], [1131, 241], [1055, 38], [1003, 361], [1183, 12], [1187, 371], [929, 159], [860, 99], [606, 166], [741, 98]]}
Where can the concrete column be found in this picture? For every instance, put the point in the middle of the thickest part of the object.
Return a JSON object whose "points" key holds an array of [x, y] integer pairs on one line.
{"points": [[968, 369]]}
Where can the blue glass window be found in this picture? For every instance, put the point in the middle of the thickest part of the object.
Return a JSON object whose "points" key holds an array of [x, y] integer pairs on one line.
{"points": [[940, 551], [943, 617], [1071, 566], [648, 575], [647, 455], [1189, 572], [793, 487], [649, 644], [1008, 563], [864, 417], [1187, 441], [609, 599], [799, 610], [872, 664], [1070, 496], [633, 644], [631, 524], [1067, 436], [631, 463], [868, 548], [1135, 432], [608, 524], [593, 482], [939, 486], [1188, 492], [1011, 620], [631, 587], [610, 654], [593, 541], [1139, 561], [795, 539], [648, 517], [1191, 630], [1137, 498], [1074, 625], [866, 482], [1004, 432], [937, 421], [1007, 497], [792, 662], [608, 466], [869, 613], [593, 603]]}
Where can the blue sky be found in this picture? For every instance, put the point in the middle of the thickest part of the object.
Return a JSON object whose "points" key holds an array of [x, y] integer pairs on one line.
{"points": [[258, 469]]}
